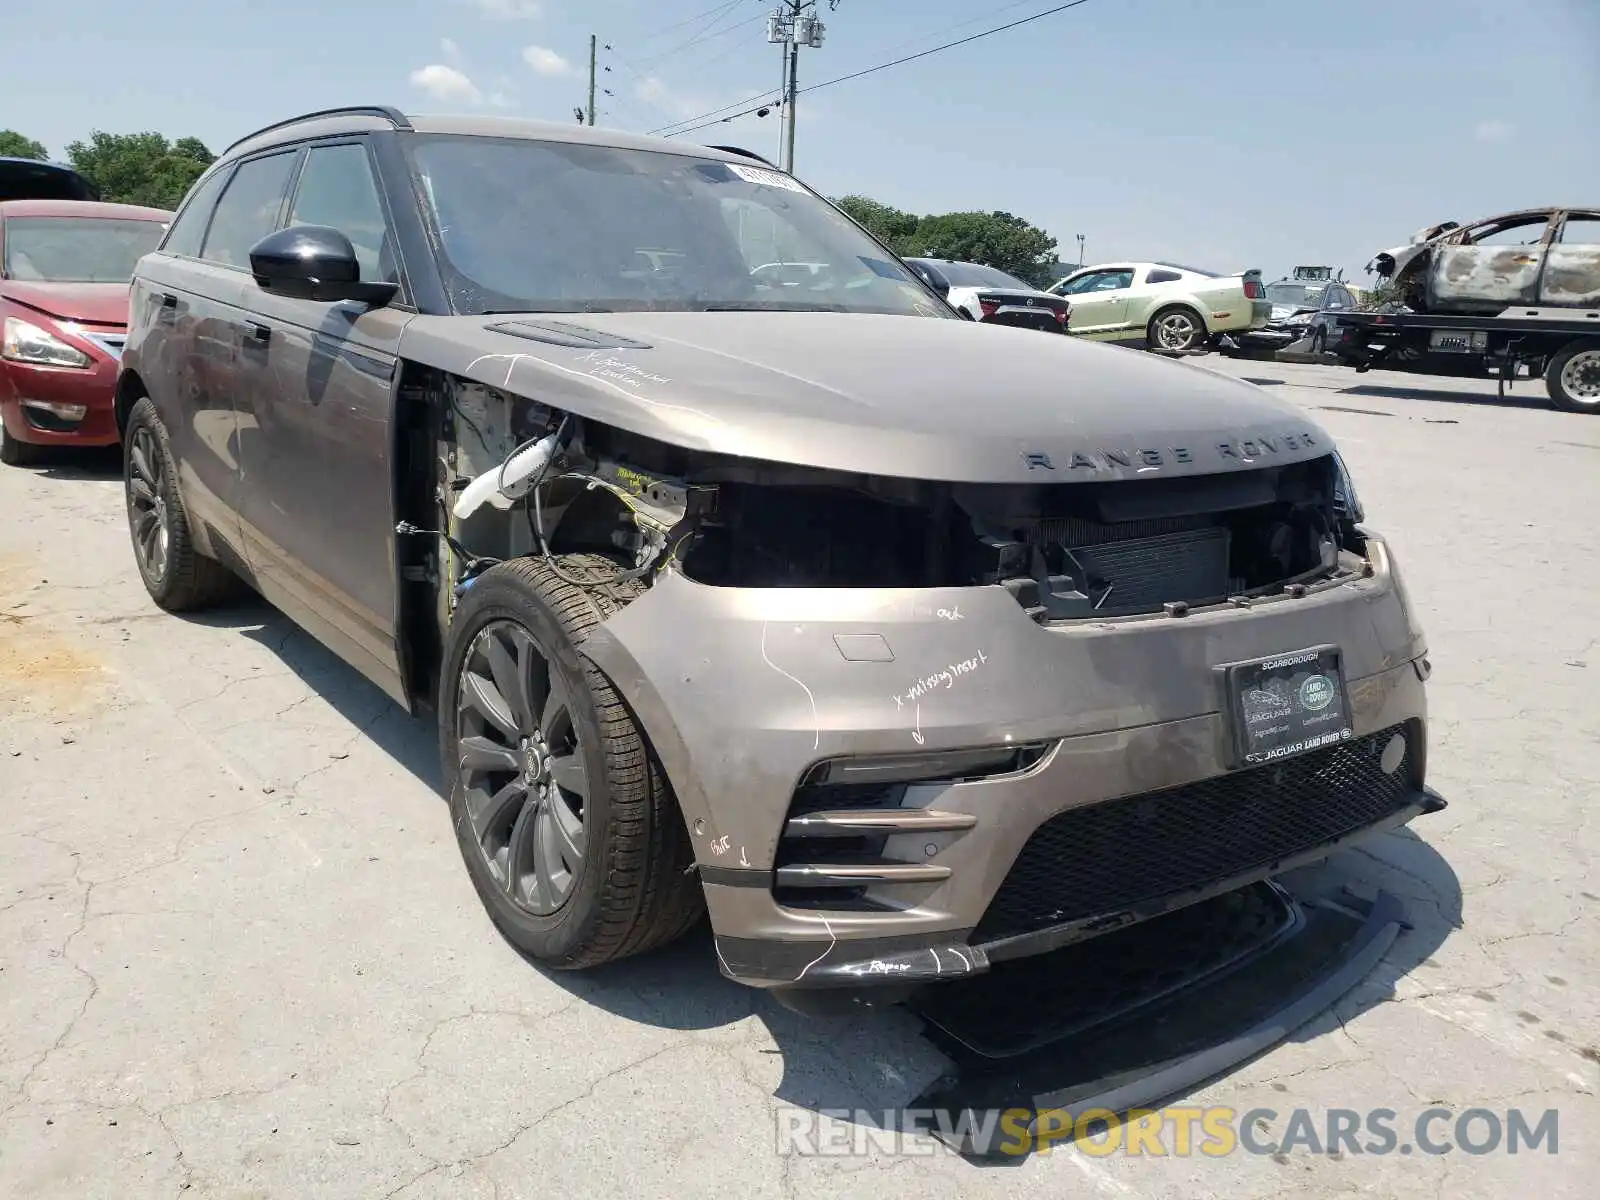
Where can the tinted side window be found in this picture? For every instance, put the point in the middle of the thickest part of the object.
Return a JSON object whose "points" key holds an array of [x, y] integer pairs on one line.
{"points": [[1159, 276], [190, 225], [337, 189], [248, 210]]}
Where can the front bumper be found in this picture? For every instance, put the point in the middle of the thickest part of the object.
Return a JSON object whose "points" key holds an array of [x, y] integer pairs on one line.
{"points": [[36, 403], [743, 693]]}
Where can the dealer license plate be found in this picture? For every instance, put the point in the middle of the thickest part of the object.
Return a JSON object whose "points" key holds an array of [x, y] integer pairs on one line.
{"points": [[1286, 705]]}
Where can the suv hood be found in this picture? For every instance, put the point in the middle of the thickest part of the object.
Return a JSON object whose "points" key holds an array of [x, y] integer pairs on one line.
{"points": [[91, 303], [914, 397]]}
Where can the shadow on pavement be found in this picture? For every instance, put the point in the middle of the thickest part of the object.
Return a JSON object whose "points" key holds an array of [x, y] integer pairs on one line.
{"points": [[1528, 399], [874, 1061], [99, 463]]}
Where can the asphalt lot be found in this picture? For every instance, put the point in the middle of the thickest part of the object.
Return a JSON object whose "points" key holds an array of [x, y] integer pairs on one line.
{"points": [[239, 955]]}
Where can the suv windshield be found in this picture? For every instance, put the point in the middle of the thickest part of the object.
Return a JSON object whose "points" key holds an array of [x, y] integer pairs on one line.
{"points": [[77, 249], [1297, 294], [962, 274], [548, 226]]}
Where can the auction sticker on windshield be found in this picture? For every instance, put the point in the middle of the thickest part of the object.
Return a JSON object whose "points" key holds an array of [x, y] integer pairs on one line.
{"points": [[1286, 705], [770, 178]]}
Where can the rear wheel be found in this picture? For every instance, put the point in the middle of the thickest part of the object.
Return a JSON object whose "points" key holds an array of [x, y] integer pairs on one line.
{"points": [[177, 576], [18, 454], [1573, 378], [1176, 329], [567, 825]]}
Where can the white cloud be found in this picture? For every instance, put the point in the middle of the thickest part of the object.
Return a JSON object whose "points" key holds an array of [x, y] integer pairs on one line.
{"points": [[654, 92], [445, 83], [546, 62], [500, 100], [1492, 131], [509, 10]]}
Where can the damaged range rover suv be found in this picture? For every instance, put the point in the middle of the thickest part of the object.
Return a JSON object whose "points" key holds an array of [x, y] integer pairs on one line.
{"points": [[900, 643]]}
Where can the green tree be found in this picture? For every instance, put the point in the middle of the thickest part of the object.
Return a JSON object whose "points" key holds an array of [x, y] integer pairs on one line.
{"points": [[14, 145], [888, 224], [140, 168], [996, 239]]}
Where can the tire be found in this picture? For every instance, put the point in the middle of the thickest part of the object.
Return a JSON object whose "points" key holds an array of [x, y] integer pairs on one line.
{"points": [[1573, 378], [1176, 328], [633, 888], [18, 454], [1319, 341], [178, 577]]}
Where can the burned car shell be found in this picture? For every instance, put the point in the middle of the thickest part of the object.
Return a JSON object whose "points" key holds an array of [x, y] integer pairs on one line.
{"points": [[1453, 268]]}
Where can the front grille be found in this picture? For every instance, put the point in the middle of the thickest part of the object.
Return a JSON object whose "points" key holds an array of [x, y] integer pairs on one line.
{"points": [[1104, 858]]}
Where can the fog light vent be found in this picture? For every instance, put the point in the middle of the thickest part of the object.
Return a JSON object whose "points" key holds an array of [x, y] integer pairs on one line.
{"points": [[1393, 754]]}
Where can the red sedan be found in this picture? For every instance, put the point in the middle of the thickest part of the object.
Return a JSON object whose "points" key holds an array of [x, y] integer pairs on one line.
{"points": [[64, 272]]}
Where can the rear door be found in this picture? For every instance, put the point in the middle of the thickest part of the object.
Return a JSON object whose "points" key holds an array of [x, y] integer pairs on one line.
{"points": [[1490, 265], [315, 429], [1572, 263]]}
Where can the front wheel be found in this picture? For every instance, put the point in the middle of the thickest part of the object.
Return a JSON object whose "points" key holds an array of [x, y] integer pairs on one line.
{"points": [[1177, 329], [1319, 341], [177, 576], [18, 454], [569, 830], [1573, 378]]}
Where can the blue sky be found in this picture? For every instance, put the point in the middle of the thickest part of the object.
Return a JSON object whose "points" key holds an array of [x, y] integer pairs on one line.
{"points": [[1222, 133]]}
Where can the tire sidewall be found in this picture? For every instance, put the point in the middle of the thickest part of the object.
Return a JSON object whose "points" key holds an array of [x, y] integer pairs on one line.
{"points": [[144, 417], [1558, 393], [550, 937]]}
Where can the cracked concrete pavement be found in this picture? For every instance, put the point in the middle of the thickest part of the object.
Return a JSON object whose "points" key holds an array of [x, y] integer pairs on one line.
{"points": [[239, 956]]}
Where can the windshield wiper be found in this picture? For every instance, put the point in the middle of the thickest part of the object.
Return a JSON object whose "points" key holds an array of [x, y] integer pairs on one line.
{"points": [[774, 306]]}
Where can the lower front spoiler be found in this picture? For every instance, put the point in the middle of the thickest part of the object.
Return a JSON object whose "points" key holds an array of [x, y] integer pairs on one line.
{"points": [[1015, 1093], [895, 964]]}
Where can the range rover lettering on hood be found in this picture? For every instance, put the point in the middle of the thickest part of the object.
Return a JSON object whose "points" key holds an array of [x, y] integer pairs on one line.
{"points": [[1252, 449], [878, 395]]}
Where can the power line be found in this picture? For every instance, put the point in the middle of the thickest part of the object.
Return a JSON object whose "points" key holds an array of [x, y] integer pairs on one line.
{"points": [[648, 37], [1049, 12], [704, 33], [758, 104]]}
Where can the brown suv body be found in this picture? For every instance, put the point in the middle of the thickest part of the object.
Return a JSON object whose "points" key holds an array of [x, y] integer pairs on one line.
{"points": [[901, 643]]}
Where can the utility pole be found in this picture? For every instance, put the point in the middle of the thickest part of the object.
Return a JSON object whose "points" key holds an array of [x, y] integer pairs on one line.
{"points": [[591, 77], [794, 25], [1080, 249]]}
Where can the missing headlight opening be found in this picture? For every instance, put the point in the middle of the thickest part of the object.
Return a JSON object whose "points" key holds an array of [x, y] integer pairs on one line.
{"points": [[1066, 551]]}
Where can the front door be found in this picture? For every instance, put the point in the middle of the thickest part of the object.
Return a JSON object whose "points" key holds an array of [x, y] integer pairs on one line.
{"points": [[1099, 302], [1488, 266], [315, 431]]}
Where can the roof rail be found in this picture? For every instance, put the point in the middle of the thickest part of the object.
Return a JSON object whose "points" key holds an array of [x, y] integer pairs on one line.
{"points": [[740, 150], [393, 115]]}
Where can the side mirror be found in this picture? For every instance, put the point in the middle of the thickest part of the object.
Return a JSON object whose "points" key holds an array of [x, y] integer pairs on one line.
{"points": [[929, 278], [314, 262]]}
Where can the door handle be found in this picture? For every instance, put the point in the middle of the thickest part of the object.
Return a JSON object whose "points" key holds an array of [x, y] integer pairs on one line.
{"points": [[168, 300], [259, 332]]}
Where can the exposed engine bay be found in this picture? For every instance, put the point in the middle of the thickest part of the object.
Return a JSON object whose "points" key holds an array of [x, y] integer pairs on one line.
{"points": [[1064, 550]]}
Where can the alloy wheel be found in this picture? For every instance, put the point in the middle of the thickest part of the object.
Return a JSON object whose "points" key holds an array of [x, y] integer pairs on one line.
{"points": [[147, 504], [521, 768], [1175, 331], [1580, 378]]}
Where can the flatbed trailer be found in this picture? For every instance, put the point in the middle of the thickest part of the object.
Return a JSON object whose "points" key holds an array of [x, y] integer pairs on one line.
{"points": [[1559, 345]]}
